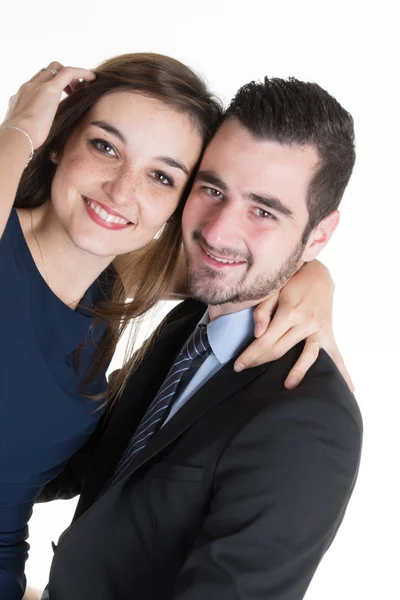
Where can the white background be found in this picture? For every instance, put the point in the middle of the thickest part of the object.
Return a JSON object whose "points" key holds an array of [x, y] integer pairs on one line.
{"points": [[352, 50]]}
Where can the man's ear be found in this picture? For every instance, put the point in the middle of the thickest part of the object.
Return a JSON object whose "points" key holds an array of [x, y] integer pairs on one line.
{"points": [[320, 236]]}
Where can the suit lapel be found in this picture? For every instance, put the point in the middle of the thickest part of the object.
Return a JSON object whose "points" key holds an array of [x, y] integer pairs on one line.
{"points": [[141, 388], [221, 386]]}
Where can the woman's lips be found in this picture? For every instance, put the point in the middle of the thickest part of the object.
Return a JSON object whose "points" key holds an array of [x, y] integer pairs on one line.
{"points": [[103, 216]]}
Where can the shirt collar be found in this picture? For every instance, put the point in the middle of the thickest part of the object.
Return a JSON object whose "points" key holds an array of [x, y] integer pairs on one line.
{"points": [[229, 333]]}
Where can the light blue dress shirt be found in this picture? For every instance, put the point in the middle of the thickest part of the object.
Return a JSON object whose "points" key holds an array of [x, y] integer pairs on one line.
{"points": [[227, 335]]}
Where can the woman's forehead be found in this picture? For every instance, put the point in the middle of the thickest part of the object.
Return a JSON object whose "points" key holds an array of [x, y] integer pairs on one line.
{"points": [[126, 103], [147, 124]]}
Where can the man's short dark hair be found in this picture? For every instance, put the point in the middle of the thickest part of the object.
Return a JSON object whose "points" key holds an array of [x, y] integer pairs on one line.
{"points": [[289, 111]]}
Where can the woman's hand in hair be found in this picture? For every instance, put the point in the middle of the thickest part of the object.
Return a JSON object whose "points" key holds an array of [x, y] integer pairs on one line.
{"points": [[302, 310], [34, 106]]}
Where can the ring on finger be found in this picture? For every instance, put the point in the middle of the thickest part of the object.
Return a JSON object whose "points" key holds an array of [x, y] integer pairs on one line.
{"points": [[52, 70]]}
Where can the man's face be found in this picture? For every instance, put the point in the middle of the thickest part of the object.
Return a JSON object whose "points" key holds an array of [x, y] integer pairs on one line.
{"points": [[244, 219]]}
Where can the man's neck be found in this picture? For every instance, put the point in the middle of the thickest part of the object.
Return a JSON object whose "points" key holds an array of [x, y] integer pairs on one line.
{"points": [[219, 310]]}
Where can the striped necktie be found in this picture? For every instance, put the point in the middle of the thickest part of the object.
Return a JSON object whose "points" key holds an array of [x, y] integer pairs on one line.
{"points": [[193, 354]]}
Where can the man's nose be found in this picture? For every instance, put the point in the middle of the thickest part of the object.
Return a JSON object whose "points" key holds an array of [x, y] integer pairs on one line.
{"points": [[223, 228]]}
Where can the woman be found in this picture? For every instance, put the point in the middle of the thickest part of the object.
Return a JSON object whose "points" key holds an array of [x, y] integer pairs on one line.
{"points": [[104, 175]]}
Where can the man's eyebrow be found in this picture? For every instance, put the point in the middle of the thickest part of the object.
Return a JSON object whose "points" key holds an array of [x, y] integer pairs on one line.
{"points": [[207, 176], [173, 163], [210, 177], [271, 202], [110, 128]]}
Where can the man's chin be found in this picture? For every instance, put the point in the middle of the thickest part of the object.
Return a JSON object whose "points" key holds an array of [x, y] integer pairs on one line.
{"points": [[210, 294], [213, 286]]}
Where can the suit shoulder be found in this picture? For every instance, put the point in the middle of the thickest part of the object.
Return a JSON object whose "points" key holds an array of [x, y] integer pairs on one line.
{"points": [[325, 374], [321, 403], [323, 381]]}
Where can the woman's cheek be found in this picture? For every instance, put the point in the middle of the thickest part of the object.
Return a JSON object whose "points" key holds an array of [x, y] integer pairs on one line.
{"points": [[159, 209]]}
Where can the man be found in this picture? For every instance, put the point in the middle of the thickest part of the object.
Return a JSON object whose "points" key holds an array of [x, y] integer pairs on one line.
{"points": [[210, 484]]}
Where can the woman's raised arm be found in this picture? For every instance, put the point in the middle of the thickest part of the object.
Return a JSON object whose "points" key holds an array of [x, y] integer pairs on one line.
{"points": [[27, 124]]}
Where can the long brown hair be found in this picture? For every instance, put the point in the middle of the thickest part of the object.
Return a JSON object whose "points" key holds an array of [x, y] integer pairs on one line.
{"points": [[148, 275]]}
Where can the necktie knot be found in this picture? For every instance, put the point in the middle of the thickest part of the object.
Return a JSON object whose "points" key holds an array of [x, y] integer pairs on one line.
{"points": [[197, 345]]}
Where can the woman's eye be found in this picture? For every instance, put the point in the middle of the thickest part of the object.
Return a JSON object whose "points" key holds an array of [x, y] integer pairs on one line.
{"points": [[104, 147], [162, 178], [213, 192], [263, 214]]}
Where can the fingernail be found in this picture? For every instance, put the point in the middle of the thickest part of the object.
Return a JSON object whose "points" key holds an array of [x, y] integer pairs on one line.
{"points": [[238, 367], [292, 382], [258, 329]]}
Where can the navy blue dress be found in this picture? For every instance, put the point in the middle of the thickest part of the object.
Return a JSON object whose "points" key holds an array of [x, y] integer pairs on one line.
{"points": [[44, 418]]}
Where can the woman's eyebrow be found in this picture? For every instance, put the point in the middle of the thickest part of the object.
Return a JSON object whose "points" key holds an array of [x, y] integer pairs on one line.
{"points": [[110, 128], [173, 163]]}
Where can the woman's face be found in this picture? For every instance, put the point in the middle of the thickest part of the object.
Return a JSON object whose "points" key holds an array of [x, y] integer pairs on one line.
{"points": [[122, 173]]}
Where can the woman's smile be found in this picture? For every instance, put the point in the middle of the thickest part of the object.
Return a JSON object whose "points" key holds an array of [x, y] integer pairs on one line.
{"points": [[105, 216]]}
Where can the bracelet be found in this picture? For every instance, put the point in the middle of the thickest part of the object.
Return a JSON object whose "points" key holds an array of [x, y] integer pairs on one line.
{"points": [[26, 135]]}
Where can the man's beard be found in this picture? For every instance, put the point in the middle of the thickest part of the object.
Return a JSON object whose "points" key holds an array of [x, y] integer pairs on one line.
{"points": [[203, 286]]}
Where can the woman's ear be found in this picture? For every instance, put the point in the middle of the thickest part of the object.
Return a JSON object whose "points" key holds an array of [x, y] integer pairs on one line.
{"points": [[320, 236], [54, 157]]}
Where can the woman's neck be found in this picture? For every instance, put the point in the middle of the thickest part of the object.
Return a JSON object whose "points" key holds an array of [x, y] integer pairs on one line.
{"points": [[68, 270]]}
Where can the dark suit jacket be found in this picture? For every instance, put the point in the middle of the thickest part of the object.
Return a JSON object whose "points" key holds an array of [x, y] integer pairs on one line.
{"points": [[238, 496]]}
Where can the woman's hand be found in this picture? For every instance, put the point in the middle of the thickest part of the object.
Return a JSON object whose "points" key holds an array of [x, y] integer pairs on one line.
{"points": [[301, 310], [34, 106]]}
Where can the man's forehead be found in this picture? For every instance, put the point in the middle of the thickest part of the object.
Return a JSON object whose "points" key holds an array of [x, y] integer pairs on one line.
{"points": [[235, 154], [227, 135], [233, 137]]}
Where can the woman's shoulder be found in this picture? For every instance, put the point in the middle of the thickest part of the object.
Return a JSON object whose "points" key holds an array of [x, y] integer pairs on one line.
{"points": [[13, 226], [13, 246], [16, 229]]}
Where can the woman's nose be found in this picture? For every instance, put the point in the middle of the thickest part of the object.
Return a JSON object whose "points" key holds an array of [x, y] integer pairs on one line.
{"points": [[121, 187]]}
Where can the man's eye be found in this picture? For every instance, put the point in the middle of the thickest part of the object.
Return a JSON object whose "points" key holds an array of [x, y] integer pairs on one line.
{"points": [[104, 147], [162, 178], [263, 214], [213, 192]]}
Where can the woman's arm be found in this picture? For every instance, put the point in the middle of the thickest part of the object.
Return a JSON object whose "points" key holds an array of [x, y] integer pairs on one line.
{"points": [[27, 124], [302, 310], [14, 154]]}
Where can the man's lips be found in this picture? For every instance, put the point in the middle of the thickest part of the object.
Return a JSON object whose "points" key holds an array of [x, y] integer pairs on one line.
{"points": [[219, 262]]}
